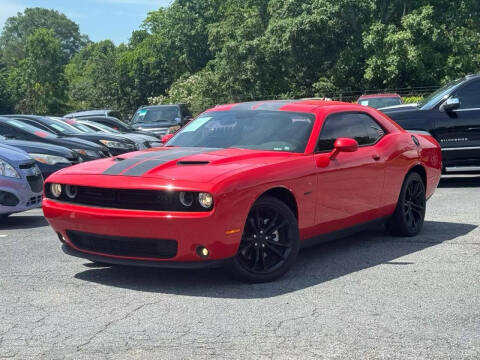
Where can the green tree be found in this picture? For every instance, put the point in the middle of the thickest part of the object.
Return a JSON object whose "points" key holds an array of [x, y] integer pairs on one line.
{"points": [[37, 83], [18, 28], [92, 77]]}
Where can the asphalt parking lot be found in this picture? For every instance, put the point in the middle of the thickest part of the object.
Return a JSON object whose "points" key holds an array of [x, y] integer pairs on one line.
{"points": [[364, 297]]}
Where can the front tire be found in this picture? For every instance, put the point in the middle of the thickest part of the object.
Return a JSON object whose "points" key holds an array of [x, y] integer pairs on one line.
{"points": [[409, 215], [270, 242]]}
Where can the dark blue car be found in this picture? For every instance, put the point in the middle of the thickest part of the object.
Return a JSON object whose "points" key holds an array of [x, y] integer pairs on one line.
{"points": [[49, 158]]}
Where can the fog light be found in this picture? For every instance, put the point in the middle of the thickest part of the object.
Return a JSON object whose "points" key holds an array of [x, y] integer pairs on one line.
{"points": [[205, 200], [71, 191], [56, 190], [202, 251]]}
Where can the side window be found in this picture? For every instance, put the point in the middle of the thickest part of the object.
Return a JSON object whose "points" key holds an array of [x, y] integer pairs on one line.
{"points": [[34, 123], [358, 126], [469, 96]]}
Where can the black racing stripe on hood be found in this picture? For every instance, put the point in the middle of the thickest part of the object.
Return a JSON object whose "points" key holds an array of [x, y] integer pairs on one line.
{"points": [[147, 165], [124, 164], [262, 105], [121, 166]]}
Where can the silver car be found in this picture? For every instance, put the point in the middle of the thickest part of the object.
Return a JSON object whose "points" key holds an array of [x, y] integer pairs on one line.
{"points": [[21, 182]]}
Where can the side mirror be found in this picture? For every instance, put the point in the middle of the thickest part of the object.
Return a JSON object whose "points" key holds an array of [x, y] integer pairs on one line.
{"points": [[344, 145], [167, 137], [451, 104]]}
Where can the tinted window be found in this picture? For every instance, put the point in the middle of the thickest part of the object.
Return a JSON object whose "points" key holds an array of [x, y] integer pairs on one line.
{"points": [[260, 130], [160, 114], [378, 103], [433, 99], [469, 96], [358, 126], [30, 129]]}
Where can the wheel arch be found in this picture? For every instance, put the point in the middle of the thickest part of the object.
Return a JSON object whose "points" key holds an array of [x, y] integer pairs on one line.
{"points": [[419, 169], [285, 195]]}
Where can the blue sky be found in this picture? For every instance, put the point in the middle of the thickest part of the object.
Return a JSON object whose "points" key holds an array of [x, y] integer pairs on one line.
{"points": [[99, 19]]}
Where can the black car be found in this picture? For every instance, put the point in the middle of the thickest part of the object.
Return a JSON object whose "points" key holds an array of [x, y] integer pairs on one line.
{"points": [[116, 144], [49, 158], [452, 115], [161, 119], [86, 125], [116, 124], [98, 112], [15, 129]]}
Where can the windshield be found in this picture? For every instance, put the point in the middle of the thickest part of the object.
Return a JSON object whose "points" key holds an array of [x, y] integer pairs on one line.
{"points": [[31, 129], [434, 98], [153, 115], [380, 102], [79, 126], [261, 130], [102, 127]]}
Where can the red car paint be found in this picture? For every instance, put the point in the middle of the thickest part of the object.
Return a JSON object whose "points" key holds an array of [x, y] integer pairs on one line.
{"points": [[330, 194]]}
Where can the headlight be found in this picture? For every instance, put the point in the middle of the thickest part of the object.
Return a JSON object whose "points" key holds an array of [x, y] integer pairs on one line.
{"points": [[49, 159], [205, 200], [56, 190], [8, 170], [173, 129], [114, 144], [89, 153]]}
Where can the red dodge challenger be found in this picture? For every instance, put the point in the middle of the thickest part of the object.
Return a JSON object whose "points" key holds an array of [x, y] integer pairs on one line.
{"points": [[247, 185]]}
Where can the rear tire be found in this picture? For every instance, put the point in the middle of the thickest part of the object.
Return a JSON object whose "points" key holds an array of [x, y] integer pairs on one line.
{"points": [[270, 242], [409, 215]]}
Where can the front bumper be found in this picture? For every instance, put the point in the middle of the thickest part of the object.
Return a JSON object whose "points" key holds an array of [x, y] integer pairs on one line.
{"points": [[67, 249], [20, 189], [190, 230]]}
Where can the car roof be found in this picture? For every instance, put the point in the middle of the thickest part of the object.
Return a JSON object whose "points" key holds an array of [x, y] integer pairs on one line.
{"points": [[303, 105], [146, 107], [100, 112], [384, 95]]}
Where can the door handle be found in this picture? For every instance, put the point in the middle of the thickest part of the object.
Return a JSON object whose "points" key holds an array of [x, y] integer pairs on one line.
{"points": [[376, 157]]}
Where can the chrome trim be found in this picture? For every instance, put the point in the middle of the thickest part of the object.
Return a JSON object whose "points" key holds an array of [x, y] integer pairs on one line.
{"points": [[461, 110], [462, 148], [462, 168]]}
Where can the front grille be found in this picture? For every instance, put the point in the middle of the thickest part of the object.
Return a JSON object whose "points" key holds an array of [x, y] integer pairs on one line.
{"points": [[154, 200], [124, 246], [74, 160], [35, 200], [35, 182]]}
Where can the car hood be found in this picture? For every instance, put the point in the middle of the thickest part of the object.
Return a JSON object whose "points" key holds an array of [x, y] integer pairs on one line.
{"points": [[101, 136], [13, 155], [185, 164], [74, 142], [154, 125], [40, 148]]}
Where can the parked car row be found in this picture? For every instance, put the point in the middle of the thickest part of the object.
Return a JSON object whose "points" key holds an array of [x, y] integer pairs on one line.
{"points": [[33, 147]]}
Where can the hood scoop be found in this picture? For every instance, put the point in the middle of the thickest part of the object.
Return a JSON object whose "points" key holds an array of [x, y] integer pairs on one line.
{"points": [[192, 162]]}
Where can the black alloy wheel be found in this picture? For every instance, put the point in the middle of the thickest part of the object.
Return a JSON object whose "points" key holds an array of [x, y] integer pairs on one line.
{"points": [[410, 212], [269, 244]]}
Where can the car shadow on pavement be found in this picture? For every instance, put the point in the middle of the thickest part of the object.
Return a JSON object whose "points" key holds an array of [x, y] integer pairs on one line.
{"points": [[314, 266], [15, 222], [459, 182]]}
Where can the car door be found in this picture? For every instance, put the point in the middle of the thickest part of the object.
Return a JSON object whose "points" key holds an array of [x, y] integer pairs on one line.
{"points": [[350, 185], [458, 130]]}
